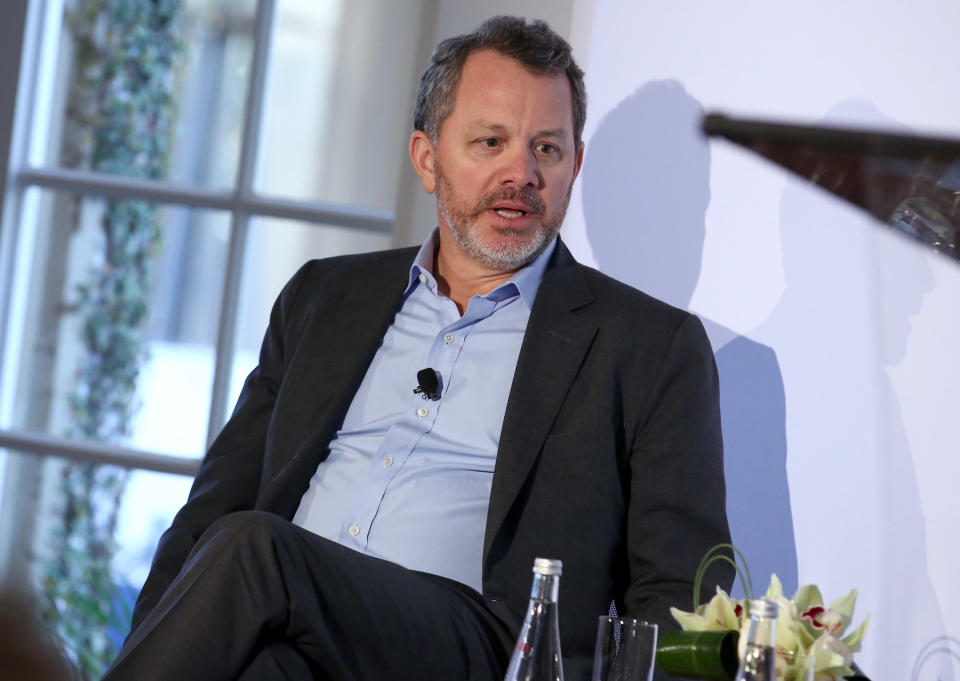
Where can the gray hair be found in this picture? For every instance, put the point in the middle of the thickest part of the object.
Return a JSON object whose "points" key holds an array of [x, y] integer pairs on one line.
{"points": [[532, 43]]}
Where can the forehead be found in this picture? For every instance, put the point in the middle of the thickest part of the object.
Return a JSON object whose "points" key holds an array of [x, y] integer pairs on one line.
{"points": [[499, 89]]}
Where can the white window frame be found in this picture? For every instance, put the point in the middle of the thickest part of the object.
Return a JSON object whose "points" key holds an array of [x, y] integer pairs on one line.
{"points": [[41, 31]]}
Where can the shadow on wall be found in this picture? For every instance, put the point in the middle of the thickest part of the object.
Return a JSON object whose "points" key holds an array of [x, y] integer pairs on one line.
{"points": [[646, 188], [904, 276], [847, 410]]}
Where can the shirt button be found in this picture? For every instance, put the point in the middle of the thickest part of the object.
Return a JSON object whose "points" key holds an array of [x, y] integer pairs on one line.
{"points": [[354, 530], [422, 411], [388, 461], [422, 278], [448, 338]]}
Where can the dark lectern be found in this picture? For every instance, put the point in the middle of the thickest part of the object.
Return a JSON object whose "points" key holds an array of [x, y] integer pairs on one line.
{"points": [[910, 183]]}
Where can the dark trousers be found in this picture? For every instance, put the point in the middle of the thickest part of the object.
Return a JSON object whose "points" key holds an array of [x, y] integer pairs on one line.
{"points": [[260, 598]]}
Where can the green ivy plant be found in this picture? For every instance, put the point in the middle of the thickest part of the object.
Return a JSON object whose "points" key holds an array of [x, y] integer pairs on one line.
{"points": [[120, 118]]}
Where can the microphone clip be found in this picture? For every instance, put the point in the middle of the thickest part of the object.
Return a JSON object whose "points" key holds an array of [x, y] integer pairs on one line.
{"points": [[429, 384]]}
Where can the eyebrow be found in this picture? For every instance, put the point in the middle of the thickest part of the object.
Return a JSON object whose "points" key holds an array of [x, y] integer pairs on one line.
{"points": [[558, 133]]}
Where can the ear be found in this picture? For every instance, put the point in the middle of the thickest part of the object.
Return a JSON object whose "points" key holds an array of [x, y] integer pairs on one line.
{"points": [[423, 156], [579, 161]]}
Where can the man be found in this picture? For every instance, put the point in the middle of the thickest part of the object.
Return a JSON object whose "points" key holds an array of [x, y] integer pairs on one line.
{"points": [[573, 418]]}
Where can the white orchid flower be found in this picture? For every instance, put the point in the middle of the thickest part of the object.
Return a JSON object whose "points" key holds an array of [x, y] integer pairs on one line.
{"points": [[810, 641]]}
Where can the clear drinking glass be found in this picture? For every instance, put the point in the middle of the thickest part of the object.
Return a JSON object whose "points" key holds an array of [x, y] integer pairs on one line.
{"points": [[626, 650]]}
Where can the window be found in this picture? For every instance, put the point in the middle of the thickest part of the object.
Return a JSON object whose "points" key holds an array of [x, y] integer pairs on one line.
{"points": [[173, 163]]}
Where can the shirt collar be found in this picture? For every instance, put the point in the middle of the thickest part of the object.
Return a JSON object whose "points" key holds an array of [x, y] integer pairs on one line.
{"points": [[526, 280]]}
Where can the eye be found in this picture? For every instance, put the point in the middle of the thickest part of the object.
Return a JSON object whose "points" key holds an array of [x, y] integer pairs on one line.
{"points": [[489, 143], [548, 149]]}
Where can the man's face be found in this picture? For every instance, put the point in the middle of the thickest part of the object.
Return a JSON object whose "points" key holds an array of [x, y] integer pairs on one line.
{"points": [[504, 161]]}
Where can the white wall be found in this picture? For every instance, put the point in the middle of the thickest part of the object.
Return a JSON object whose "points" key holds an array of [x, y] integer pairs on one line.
{"points": [[836, 339]]}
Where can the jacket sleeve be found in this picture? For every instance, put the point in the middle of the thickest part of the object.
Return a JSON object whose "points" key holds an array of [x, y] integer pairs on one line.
{"points": [[229, 476], [677, 508]]}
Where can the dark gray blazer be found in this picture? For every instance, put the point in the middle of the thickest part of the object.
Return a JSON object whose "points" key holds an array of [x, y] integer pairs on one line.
{"points": [[610, 456]]}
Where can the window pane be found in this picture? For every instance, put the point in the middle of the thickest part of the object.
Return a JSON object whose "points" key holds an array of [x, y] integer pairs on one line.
{"points": [[83, 539], [275, 251], [118, 342], [339, 91], [153, 90]]}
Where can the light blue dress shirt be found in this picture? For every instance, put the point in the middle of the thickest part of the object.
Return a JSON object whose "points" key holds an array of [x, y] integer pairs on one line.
{"points": [[408, 479]]}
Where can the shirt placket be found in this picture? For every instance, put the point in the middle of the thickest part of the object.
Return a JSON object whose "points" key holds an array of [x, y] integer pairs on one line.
{"points": [[418, 418]]}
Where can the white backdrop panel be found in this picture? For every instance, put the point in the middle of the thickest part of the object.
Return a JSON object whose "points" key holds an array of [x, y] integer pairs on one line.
{"points": [[838, 342]]}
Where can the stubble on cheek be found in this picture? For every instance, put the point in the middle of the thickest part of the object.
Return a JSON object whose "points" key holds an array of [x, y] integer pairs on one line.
{"points": [[511, 250]]}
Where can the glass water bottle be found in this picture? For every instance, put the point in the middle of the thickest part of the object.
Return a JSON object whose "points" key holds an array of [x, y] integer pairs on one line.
{"points": [[759, 660], [536, 656]]}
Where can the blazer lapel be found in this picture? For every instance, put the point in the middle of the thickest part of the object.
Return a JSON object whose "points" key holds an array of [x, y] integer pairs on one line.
{"points": [[553, 349], [338, 359]]}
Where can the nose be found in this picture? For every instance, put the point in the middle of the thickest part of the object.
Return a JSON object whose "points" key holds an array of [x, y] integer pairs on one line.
{"points": [[521, 168]]}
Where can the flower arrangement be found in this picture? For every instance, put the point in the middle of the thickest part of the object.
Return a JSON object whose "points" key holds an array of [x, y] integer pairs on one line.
{"points": [[812, 639]]}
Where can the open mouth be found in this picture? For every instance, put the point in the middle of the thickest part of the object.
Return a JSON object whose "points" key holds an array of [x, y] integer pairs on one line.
{"points": [[513, 210], [509, 212], [519, 205]]}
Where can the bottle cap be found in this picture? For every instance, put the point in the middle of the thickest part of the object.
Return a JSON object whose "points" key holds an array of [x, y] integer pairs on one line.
{"points": [[762, 607], [547, 566]]}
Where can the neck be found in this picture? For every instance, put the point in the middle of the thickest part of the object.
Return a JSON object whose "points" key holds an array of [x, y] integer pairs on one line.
{"points": [[460, 277]]}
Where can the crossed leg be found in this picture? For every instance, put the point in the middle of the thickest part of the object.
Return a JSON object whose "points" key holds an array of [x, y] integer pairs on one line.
{"points": [[259, 593], [279, 661]]}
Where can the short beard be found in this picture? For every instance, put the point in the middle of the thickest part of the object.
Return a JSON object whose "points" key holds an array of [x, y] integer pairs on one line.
{"points": [[520, 250]]}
